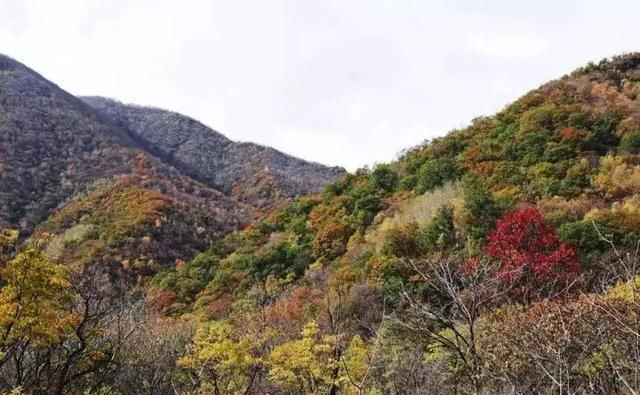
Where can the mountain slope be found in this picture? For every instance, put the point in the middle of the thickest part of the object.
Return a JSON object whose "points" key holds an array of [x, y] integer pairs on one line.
{"points": [[482, 260], [56, 150], [500, 258], [41, 129], [257, 175]]}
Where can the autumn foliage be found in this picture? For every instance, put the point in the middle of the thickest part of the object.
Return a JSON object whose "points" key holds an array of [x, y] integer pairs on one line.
{"points": [[501, 258], [526, 246]]}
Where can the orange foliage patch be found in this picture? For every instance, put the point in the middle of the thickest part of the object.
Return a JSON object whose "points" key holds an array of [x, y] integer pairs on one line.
{"points": [[161, 301], [292, 308]]}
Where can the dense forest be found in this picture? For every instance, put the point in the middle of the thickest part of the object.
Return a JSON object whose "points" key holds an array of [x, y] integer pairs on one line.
{"points": [[500, 258]]}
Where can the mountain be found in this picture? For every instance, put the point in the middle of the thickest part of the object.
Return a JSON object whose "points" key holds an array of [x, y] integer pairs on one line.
{"points": [[257, 175], [499, 258], [494, 259], [65, 163]]}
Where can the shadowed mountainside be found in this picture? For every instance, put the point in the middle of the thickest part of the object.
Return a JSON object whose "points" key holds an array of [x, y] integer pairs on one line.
{"points": [[256, 175], [56, 150]]}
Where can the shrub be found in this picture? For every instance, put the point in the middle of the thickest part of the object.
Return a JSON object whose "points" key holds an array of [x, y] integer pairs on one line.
{"points": [[584, 235], [402, 242]]}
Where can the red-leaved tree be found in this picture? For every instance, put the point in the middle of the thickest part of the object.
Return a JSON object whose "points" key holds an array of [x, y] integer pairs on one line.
{"points": [[529, 251]]}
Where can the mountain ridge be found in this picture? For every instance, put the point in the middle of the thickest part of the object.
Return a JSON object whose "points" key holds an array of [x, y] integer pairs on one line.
{"points": [[54, 146], [211, 157], [482, 260]]}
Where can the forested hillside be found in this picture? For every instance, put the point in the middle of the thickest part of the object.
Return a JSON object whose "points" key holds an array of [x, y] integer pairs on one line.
{"points": [[500, 258], [137, 185], [256, 175]]}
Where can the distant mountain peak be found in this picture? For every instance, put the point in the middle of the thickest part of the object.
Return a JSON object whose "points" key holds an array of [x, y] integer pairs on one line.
{"points": [[56, 148], [255, 174], [7, 63]]}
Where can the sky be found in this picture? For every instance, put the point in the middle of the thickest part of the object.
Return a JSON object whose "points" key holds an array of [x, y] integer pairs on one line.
{"points": [[346, 82]]}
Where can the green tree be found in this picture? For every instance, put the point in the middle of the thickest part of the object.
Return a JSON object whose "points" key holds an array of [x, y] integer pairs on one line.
{"points": [[439, 231], [434, 173], [480, 209], [384, 178]]}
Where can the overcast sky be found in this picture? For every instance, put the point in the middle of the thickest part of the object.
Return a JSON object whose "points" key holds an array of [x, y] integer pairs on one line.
{"points": [[345, 82]]}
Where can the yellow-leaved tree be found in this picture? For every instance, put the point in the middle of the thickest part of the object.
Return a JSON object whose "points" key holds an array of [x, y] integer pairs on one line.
{"points": [[617, 177], [220, 362], [355, 368], [306, 365], [34, 299]]}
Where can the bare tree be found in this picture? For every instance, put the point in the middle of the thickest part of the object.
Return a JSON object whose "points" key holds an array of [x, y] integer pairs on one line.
{"points": [[448, 318]]}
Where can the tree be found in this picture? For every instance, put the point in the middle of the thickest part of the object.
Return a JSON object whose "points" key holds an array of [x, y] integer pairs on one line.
{"points": [[630, 142], [147, 363], [354, 364], [439, 233], [617, 177], [34, 309], [480, 210], [447, 321], [61, 330], [75, 340], [585, 345], [530, 250], [107, 313], [220, 362], [305, 365], [435, 172], [332, 226], [384, 178], [402, 241]]}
